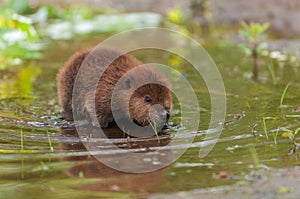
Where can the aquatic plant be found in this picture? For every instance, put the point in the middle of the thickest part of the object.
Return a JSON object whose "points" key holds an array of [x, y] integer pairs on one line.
{"points": [[280, 60], [265, 125], [176, 16], [283, 95], [275, 135], [154, 128], [17, 36], [49, 142], [292, 134], [176, 20], [201, 14], [254, 34], [20, 32], [22, 140]]}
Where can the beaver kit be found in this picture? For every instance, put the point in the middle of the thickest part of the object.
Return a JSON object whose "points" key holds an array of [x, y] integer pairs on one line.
{"points": [[123, 89]]}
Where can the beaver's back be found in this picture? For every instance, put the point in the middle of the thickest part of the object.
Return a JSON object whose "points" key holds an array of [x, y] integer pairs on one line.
{"points": [[97, 60]]}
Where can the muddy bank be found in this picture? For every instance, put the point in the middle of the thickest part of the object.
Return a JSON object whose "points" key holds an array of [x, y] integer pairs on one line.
{"points": [[282, 15], [270, 184], [125, 6]]}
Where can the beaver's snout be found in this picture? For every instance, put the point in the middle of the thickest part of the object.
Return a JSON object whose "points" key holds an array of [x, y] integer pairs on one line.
{"points": [[165, 114]]}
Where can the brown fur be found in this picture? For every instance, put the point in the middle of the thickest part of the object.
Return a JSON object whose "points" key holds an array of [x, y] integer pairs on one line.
{"points": [[87, 98]]}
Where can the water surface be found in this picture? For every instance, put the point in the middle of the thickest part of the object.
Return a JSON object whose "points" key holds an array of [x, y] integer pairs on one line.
{"points": [[39, 159]]}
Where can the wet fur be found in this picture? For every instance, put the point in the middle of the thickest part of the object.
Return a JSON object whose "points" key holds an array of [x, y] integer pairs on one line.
{"points": [[98, 58]]}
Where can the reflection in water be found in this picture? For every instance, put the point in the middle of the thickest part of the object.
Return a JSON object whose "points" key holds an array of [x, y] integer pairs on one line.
{"points": [[21, 86], [114, 180]]}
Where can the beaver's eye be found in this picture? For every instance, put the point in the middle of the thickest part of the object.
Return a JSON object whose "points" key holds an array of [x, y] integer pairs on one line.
{"points": [[148, 99]]}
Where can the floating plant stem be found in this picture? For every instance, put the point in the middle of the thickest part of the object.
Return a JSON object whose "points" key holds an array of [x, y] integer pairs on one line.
{"points": [[154, 128], [22, 150], [22, 140], [265, 127]]}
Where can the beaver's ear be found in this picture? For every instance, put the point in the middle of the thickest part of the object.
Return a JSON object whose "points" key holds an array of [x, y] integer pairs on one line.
{"points": [[128, 82]]}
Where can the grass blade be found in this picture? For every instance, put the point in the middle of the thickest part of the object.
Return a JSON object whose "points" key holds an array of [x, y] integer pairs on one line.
{"points": [[283, 94]]}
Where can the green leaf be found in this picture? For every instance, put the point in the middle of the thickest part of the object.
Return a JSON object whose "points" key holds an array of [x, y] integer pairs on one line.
{"points": [[296, 131], [265, 27], [246, 49], [245, 25], [252, 31], [246, 34], [261, 47], [287, 135]]}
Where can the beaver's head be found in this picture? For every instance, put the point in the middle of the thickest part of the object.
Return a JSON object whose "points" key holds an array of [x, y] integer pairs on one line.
{"points": [[145, 97], [151, 102]]}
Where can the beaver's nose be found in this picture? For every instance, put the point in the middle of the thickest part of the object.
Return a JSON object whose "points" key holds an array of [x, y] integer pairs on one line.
{"points": [[168, 115]]}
